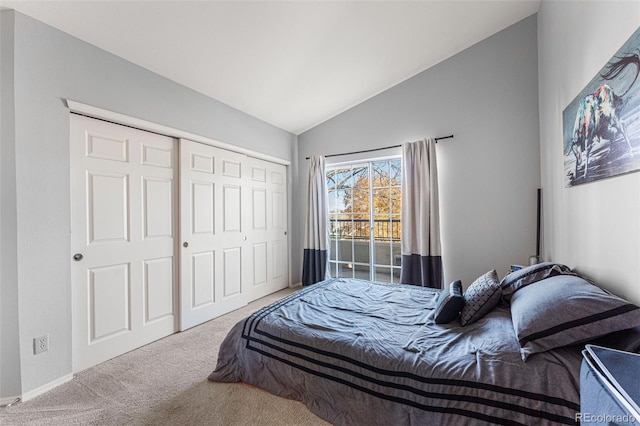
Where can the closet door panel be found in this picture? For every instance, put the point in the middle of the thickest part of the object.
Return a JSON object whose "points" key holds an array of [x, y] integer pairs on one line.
{"points": [[231, 208], [202, 279], [158, 288], [212, 270], [232, 271], [268, 221], [259, 264], [122, 239]]}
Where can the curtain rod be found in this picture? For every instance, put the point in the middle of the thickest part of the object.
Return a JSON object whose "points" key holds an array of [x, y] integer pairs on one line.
{"points": [[378, 149]]}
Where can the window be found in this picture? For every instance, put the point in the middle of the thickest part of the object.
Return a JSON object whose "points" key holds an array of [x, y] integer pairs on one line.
{"points": [[364, 219]]}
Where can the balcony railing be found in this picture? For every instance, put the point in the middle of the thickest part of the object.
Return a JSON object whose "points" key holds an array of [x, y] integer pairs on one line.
{"points": [[360, 229]]}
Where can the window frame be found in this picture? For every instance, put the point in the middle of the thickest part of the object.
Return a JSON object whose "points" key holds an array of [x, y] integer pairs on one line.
{"points": [[336, 265]]}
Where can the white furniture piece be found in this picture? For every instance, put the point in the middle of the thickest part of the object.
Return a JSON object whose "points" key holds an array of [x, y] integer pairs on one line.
{"points": [[609, 387]]}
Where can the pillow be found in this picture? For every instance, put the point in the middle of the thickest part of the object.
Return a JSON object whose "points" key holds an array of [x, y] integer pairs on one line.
{"points": [[625, 340], [565, 310], [449, 303], [481, 297], [523, 277]]}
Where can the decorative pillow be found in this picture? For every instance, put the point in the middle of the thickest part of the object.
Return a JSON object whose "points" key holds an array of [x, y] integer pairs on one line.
{"points": [[449, 303], [523, 277], [566, 310], [481, 297]]}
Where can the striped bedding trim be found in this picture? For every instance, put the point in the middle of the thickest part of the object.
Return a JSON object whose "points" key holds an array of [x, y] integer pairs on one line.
{"points": [[252, 334], [578, 323]]}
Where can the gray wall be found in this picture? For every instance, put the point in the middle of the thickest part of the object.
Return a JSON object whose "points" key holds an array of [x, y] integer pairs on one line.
{"points": [[9, 339], [594, 227], [51, 66], [488, 97]]}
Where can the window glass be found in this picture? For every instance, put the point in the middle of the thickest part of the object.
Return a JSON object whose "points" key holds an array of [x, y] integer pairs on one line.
{"points": [[364, 215]]}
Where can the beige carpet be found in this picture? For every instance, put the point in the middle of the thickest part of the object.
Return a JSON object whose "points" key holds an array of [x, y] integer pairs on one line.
{"points": [[163, 383]]}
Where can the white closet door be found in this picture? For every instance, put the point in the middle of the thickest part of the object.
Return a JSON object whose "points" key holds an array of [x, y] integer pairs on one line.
{"points": [[215, 267], [266, 184], [122, 239]]}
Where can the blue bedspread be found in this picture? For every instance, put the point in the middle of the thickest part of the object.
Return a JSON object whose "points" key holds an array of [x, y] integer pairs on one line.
{"points": [[357, 352]]}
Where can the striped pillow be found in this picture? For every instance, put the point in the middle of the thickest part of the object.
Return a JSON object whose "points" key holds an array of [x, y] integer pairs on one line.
{"points": [[523, 277], [565, 310]]}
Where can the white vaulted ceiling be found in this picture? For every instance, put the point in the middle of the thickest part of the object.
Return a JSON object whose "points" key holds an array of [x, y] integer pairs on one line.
{"points": [[293, 64]]}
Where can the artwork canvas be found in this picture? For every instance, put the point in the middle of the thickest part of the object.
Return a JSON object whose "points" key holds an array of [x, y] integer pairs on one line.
{"points": [[601, 125]]}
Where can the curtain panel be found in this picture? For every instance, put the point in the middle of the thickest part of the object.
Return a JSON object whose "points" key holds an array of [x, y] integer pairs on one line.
{"points": [[421, 252], [316, 235]]}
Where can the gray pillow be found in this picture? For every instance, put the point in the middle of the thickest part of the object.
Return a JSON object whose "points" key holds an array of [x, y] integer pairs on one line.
{"points": [[480, 298], [449, 303], [566, 310], [625, 340], [523, 277]]}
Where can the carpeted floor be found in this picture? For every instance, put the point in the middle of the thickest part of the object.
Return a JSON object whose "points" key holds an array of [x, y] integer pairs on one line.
{"points": [[163, 383]]}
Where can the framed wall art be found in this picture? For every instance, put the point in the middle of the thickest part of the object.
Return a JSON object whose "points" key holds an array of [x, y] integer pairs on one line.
{"points": [[601, 126]]}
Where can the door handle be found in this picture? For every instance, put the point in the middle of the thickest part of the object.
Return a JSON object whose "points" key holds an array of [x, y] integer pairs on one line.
{"points": [[185, 244], [78, 257]]}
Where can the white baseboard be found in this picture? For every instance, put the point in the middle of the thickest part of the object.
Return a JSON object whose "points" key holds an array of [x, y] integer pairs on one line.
{"points": [[46, 388], [9, 400]]}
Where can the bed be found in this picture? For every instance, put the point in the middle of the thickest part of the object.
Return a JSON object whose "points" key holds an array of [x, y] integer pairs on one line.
{"points": [[359, 352]]}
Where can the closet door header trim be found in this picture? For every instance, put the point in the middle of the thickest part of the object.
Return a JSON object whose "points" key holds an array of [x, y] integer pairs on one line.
{"points": [[118, 118]]}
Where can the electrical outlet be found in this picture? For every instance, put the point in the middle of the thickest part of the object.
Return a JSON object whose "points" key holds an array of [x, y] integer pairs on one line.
{"points": [[40, 344]]}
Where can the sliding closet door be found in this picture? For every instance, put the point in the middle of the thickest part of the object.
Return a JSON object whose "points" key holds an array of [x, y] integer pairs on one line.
{"points": [[266, 184], [122, 239], [215, 267]]}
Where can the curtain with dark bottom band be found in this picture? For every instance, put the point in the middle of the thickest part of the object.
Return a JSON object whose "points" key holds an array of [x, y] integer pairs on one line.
{"points": [[421, 253], [316, 236]]}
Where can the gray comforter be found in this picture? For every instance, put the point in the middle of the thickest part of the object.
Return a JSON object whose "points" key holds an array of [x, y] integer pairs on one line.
{"points": [[363, 353]]}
